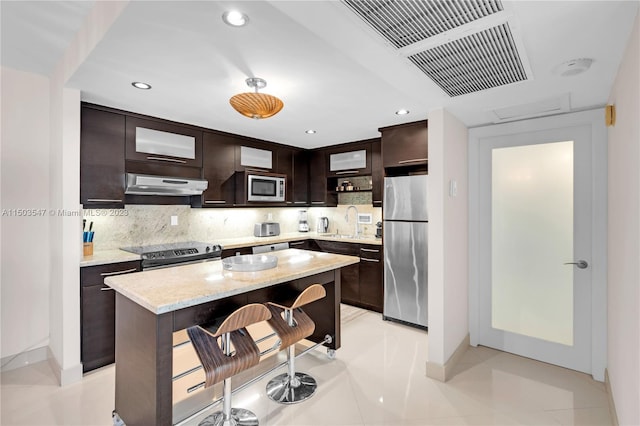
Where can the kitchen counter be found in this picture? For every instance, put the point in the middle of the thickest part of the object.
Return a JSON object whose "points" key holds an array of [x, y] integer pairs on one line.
{"points": [[103, 257], [169, 289], [152, 305], [231, 243]]}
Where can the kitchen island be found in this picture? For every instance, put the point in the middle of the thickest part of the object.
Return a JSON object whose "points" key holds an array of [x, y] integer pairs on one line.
{"points": [[152, 305]]}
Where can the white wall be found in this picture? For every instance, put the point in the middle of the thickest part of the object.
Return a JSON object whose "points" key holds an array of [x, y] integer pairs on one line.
{"points": [[65, 231], [624, 237], [25, 176], [448, 237]]}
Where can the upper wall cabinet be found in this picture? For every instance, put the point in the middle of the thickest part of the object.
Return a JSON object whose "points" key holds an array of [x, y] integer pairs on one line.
{"points": [[377, 173], [294, 163], [102, 136], [349, 160], [163, 143], [218, 169], [405, 145], [254, 154]]}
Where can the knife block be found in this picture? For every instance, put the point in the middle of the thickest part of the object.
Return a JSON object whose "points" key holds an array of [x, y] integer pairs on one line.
{"points": [[87, 249]]}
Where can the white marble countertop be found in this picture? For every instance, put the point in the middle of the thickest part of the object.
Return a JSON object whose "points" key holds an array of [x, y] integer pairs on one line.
{"points": [[169, 289], [103, 257], [231, 243]]}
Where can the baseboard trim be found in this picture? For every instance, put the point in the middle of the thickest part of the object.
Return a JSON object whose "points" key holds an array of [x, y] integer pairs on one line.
{"points": [[64, 377], [23, 359], [612, 405], [445, 372]]}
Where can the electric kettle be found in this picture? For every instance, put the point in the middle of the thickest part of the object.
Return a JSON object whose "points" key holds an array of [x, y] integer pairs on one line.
{"points": [[323, 225]]}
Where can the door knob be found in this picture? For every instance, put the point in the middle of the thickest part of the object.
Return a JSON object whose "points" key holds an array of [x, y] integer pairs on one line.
{"points": [[582, 264]]}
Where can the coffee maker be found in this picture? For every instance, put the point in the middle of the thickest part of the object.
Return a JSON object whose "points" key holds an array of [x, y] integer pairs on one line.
{"points": [[303, 225]]}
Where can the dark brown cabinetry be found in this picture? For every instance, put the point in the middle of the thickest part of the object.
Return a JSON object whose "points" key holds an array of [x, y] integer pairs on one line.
{"points": [[371, 276], [361, 283], [218, 168], [295, 164], [377, 173], [349, 275], [319, 196], [97, 313], [133, 152], [102, 139], [300, 177], [340, 159], [405, 145], [252, 161]]}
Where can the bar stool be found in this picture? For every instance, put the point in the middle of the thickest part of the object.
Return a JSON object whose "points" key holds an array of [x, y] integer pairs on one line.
{"points": [[213, 344], [292, 387]]}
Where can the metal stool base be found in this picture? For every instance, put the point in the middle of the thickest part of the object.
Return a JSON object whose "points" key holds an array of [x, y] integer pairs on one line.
{"points": [[239, 417], [281, 390]]}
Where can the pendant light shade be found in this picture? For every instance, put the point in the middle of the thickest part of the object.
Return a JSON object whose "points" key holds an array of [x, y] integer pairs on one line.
{"points": [[256, 105]]}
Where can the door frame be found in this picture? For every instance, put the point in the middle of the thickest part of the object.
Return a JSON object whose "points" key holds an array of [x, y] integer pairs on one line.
{"points": [[594, 119]]}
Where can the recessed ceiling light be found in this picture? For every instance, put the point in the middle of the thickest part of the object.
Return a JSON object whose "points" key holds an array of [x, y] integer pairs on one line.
{"points": [[310, 131], [235, 18], [140, 85], [402, 112]]}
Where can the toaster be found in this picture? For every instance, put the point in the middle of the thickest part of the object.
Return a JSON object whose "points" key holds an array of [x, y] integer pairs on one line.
{"points": [[266, 229]]}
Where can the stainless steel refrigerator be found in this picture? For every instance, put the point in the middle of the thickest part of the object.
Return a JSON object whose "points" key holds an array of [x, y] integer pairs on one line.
{"points": [[405, 223]]}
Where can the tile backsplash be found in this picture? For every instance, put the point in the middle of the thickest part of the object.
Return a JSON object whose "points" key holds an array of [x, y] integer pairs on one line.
{"points": [[144, 225]]}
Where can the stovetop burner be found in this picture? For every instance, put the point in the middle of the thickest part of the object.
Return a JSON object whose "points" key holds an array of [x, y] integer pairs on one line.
{"points": [[175, 253]]}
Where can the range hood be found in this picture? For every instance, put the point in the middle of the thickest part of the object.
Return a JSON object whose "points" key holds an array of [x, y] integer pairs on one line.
{"points": [[164, 185]]}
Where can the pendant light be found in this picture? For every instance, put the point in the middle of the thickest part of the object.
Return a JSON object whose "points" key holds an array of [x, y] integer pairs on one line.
{"points": [[256, 105]]}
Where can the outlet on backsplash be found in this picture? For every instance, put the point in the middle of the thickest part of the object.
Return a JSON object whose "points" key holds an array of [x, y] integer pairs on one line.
{"points": [[174, 220]]}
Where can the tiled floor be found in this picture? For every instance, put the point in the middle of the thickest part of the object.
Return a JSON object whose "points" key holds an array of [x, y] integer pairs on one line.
{"points": [[378, 378]]}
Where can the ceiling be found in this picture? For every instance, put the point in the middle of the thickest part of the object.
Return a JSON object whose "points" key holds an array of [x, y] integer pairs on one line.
{"points": [[335, 73]]}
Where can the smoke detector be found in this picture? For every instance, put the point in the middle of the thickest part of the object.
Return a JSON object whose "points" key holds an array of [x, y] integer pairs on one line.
{"points": [[573, 67]]}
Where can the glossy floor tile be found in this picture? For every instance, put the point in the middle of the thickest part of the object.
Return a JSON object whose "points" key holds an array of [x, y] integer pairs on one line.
{"points": [[378, 378]]}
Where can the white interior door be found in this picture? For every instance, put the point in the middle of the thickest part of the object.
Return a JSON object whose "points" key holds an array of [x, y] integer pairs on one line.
{"points": [[534, 239]]}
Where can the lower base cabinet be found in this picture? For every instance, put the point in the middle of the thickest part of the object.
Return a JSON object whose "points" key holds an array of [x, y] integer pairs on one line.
{"points": [[371, 274], [361, 283], [97, 314]]}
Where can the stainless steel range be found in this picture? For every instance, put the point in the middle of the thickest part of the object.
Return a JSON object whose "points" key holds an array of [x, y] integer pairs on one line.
{"points": [[164, 255]]}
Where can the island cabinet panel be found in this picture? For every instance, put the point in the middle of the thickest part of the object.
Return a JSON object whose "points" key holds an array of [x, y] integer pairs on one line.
{"points": [[102, 139], [97, 313], [144, 341], [405, 145], [218, 167], [371, 277]]}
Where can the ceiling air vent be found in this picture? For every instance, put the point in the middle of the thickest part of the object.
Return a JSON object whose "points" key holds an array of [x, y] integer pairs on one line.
{"points": [[476, 62], [409, 21]]}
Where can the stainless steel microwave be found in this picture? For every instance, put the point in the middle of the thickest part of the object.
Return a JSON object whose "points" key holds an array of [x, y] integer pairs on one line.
{"points": [[267, 187]]}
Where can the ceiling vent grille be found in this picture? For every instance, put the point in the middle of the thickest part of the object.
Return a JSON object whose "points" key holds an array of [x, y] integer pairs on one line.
{"points": [[477, 62], [409, 21]]}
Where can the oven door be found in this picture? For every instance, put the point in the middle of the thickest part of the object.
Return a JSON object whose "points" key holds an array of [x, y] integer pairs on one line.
{"points": [[265, 188]]}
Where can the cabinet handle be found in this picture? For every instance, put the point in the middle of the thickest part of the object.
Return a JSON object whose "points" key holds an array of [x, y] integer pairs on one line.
{"points": [[317, 202], [126, 271], [296, 244], [106, 289], [377, 201], [299, 202], [289, 202], [214, 201], [173, 160], [102, 200], [348, 172], [369, 260], [413, 161], [370, 250]]}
